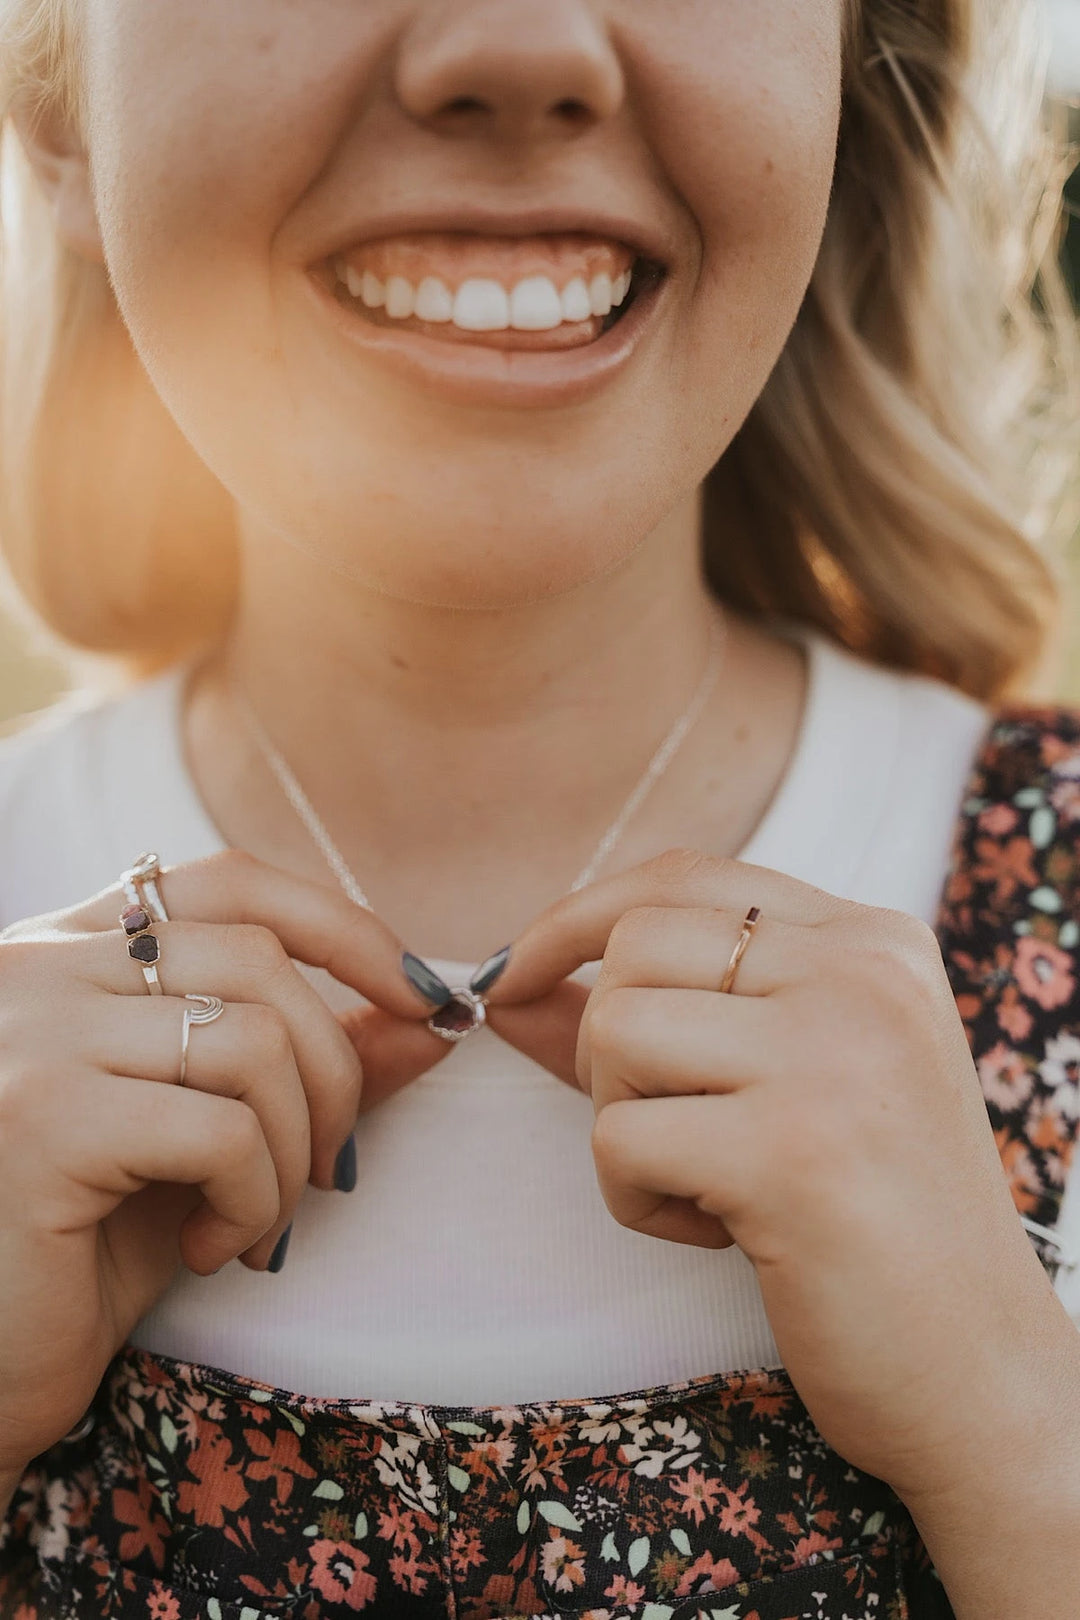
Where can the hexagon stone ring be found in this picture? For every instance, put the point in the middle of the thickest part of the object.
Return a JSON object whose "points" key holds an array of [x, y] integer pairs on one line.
{"points": [[143, 946]]}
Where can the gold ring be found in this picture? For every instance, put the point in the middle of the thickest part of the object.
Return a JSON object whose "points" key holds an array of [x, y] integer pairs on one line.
{"points": [[749, 924]]}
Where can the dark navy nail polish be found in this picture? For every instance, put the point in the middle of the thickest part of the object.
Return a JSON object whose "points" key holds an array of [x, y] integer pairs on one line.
{"points": [[345, 1165], [486, 974], [277, 1259], [424, 980]]}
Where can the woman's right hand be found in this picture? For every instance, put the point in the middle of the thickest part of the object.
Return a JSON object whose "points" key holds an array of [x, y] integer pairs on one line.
{"points": [[108, 1181]]}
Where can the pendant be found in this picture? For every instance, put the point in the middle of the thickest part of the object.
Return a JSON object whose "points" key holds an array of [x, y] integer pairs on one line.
{"points": [[459, 1017]]}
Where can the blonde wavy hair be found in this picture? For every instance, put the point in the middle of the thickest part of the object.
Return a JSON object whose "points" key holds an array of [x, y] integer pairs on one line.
{"points": [[900, 482]]}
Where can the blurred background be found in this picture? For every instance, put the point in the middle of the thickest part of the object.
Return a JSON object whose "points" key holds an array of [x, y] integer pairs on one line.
{"points": [[32, 675]]}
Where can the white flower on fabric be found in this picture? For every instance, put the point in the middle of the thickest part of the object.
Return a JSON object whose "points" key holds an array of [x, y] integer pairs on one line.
{"points": [[1006, 1078], [1063, 1052]]}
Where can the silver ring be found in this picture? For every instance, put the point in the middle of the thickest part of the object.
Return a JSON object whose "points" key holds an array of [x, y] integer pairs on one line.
{"points": [[210, 1007], [140, 884]]}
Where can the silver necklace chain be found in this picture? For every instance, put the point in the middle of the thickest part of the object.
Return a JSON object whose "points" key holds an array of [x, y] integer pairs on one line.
{"points": [[653, 772]]}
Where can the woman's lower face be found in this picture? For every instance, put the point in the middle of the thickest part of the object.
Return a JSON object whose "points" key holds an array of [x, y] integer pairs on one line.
{"points": [[508, 271]]}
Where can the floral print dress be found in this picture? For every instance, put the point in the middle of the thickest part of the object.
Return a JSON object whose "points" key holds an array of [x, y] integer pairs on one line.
{"points": [[190, 1493]]}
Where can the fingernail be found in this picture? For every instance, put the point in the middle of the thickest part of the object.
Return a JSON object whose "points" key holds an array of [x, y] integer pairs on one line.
{"points": [[277, 1259], [486, 974], [422, 979], [345, 1165]]}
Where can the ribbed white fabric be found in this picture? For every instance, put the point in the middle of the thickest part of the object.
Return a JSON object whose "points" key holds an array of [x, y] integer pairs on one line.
{"points": [[475, 1262]]}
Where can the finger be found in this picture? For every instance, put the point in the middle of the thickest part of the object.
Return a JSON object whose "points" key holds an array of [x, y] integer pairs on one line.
{"points": [[677, 947], [393, 1052], [316, 924], [121, 1133], [658, 1155], [546, 1030], [636, 1042], [576, 929], [244, 963], [245, 1054]]}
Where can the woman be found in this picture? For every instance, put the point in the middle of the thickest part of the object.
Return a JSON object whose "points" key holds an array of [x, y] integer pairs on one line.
{"points": [[376, 378]]}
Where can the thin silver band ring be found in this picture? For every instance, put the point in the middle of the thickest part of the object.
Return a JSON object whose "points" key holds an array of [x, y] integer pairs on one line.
{"points": [[209, 1008]]}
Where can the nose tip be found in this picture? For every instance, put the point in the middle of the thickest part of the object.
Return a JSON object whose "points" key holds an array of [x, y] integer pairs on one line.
{"points": [[515, 68]]}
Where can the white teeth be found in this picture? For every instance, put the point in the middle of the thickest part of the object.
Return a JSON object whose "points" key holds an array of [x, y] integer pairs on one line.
{"points": [[600, 294], [400, 298], [434, 301], [576, 303], [481, 306], [372, 291], [535, 305]]}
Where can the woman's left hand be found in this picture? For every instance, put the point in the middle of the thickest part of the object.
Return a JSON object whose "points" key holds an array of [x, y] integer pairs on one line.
{"points": [[826, 1116]]}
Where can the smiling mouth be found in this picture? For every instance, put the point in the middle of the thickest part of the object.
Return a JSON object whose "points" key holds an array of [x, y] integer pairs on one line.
{"points": [[547, 292]]}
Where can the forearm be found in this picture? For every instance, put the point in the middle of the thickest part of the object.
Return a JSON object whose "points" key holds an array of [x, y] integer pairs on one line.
{"points": [[1002, 1525]]}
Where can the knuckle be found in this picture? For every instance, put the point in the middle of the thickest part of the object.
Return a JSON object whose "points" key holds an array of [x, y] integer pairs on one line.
{"points": [[256, 948], [233, 865], [240, 1136], [268, 1033], [681, 868], [900, 952], [609, 1138], [346, 1075], [607, 1025], [632, 932]]}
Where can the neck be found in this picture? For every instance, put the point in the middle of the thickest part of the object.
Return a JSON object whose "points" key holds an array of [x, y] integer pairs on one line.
{"points": [[438, 745]]}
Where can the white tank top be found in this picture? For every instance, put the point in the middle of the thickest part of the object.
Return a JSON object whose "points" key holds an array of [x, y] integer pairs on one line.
{"points": [[476, 1262]]}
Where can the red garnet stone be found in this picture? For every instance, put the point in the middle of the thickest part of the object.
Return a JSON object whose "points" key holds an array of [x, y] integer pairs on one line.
{"points": [[134, 919], [463, 1013]]}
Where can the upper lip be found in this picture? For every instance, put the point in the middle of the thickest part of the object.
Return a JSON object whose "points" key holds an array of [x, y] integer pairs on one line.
{"points": [[644, 238]]}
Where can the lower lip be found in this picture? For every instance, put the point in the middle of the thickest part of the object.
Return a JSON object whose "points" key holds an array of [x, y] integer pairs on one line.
{"points": [[469, 374]]}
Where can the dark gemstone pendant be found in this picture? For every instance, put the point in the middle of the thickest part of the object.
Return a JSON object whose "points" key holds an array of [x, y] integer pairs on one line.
{"points": [[134, 919], [459, 1018], [145, 948]]}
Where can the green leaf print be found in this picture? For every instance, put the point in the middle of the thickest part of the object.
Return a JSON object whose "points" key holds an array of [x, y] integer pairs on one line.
{"points": [[523, 1517], [556, 1514], [360, 1528], [168, 1432], [1042, 826], [330, 1489], [638, 1556], [609, 1552], [681, 1541], [458, 1478]]}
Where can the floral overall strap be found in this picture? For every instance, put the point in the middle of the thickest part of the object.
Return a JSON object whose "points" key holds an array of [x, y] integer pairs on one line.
{"points": [[1009, 930]]}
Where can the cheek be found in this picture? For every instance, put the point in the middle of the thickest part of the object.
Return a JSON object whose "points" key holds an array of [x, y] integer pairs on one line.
{"points": [[744, 99]]}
